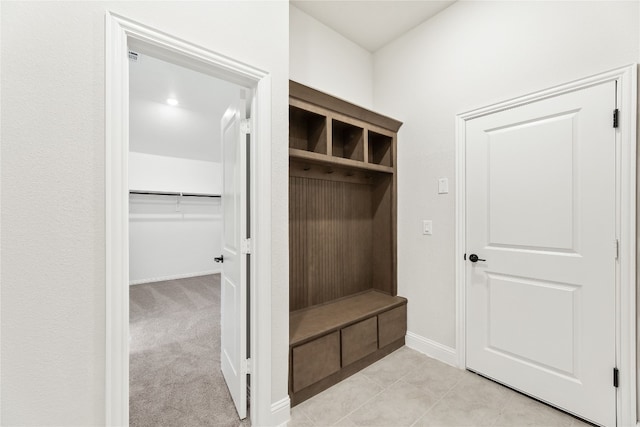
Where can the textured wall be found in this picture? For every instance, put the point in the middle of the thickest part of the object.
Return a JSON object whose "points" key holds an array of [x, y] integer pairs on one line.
{"points": [[470, 55], [53, 176], [325, 60]]}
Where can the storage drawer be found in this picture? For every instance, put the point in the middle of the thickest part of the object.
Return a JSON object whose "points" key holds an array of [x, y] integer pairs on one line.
{"points": [[392, 325], [359, 340], [315, 360]]}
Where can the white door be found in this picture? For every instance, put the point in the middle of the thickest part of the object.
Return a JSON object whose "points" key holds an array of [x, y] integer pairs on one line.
{"points": [[233, 304], [541, 218]]}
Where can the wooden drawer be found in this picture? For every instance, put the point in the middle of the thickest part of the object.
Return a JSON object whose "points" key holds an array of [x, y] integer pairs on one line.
{"points": [[392, 325], [359, 340], [315, 360]]}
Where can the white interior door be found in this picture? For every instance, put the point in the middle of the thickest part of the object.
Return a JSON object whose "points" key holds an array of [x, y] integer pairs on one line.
{"points": [[233, 305], [541, 218]]}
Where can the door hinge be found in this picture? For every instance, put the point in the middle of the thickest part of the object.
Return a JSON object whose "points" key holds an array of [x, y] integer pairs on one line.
{"points": [[615, 117], [464, 257], [617, 248], [616, 377], [246, 366], [245, 246], [245, 125]]}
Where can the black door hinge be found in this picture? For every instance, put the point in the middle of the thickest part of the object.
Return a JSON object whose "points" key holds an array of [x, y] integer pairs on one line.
{"points": [[616, 377], [615, 117], [464, 257]]}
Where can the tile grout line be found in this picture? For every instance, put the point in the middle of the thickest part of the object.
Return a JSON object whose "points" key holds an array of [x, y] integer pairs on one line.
{"points": [[307, 416], [436, 402], [367, 401]]}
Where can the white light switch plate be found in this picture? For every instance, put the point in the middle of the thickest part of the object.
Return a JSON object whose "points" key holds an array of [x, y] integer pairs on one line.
{"points": [[427, 227], [443, 185]]}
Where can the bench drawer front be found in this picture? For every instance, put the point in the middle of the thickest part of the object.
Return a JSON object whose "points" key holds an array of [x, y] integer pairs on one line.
{"points": [[392, 325], [315, 360], [359, 340]]}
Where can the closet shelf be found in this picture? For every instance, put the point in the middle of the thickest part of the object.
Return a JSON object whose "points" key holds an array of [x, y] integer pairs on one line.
{"points": [[174, 193], [324, 159]]}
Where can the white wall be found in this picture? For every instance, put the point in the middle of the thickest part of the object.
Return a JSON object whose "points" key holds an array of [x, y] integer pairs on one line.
{"points": [[150, 172], [325, 60], [53, 177], [470, 55], [172, 237]]}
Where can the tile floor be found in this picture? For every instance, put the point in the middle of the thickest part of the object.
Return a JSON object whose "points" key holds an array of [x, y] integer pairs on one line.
{"points": [[408, 388]]}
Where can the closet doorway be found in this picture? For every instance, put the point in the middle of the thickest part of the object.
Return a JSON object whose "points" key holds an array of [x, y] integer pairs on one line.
{"points": [[187, 201]]}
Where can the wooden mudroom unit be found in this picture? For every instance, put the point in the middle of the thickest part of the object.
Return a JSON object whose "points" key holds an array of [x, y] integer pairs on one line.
{"points": [[344, 310]]}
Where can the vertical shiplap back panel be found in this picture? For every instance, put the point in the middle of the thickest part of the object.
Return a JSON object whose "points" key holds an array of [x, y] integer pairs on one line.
{"points": [[331, 240]]}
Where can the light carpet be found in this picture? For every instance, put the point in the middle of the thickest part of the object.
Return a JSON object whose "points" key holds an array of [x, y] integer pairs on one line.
{"points": [[175, 377]]}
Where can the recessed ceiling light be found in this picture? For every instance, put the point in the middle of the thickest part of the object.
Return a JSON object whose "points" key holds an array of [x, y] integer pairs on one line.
{"points": [[172, 101]]}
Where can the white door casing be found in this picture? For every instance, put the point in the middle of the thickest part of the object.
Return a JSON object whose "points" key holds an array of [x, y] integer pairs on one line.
{"points": [[121, 34], [625, 208], [233, 300]]}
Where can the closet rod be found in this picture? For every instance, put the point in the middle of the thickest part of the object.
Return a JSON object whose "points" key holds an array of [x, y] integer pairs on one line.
{"points": [[174, 193]]}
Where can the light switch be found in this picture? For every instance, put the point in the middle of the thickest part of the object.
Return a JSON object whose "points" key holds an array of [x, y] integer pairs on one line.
{"points": [[443, 186], [427, 227]]}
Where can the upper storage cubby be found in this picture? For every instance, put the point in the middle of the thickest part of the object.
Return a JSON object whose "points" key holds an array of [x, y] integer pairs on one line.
{"points": [[347, 141], [380, 149], [307, 130], [331, 132]]}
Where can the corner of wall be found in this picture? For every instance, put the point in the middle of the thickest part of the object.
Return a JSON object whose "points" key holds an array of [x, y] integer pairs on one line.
{"points": [[435, 350], [314, 51]]}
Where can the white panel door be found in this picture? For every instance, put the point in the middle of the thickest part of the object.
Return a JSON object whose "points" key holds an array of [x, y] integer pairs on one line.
{"points": [[541, 218], [233, 300]]}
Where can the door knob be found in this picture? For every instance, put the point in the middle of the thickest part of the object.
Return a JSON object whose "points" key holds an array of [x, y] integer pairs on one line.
{"points": [[219, 258], [474, 258]]}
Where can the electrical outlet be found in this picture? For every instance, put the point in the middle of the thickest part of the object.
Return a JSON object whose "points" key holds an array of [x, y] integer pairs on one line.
{"points": [[427, 227]]}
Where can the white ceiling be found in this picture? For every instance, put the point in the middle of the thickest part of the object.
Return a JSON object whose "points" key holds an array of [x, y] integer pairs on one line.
{"points": [[189, 130], [371, 24]]}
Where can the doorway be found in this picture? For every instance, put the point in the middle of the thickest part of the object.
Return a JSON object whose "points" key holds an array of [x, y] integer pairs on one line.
{"points": [[122, 36], [545, 240], [175, 233]]}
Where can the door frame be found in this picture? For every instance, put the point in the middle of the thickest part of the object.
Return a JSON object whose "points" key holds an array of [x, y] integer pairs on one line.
{"points": [[121, 35], [625, 224]]}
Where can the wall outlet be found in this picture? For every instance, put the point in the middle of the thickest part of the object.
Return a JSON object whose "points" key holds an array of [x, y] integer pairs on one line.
{"points": [[427, 227]]}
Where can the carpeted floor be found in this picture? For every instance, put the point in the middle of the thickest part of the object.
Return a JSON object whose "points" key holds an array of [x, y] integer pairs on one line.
{"points": [[175, 377]]}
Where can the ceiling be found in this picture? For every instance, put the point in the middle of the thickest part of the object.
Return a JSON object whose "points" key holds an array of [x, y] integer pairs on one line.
{"points": [[188, 130], [371, 24]]}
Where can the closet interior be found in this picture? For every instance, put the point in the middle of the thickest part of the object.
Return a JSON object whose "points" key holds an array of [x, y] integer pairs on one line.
{"points": [[344, 309]]}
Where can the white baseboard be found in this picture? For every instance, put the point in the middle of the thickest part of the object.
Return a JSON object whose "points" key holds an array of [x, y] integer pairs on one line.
{"points": [[432, 349], [174, 277], [281, 412]]}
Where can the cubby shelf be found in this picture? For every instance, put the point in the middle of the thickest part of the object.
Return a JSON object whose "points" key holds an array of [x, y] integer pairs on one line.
{"points": [[323, 159]]}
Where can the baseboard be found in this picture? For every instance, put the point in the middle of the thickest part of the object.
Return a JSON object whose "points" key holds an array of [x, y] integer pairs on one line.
{"points": [[173, 277], [281, 412], [432, 349]]}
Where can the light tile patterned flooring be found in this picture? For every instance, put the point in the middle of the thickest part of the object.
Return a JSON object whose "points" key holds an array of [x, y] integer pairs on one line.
{"points": [[408, 388]]}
